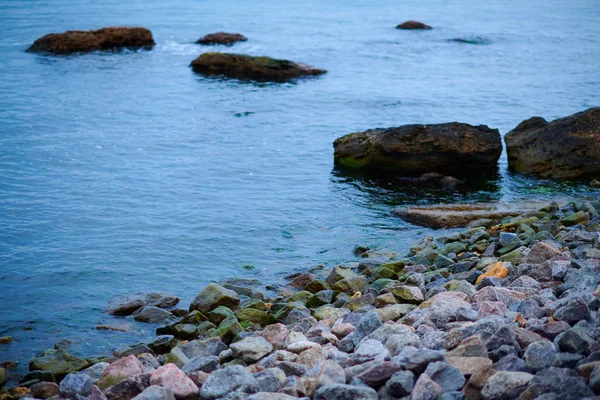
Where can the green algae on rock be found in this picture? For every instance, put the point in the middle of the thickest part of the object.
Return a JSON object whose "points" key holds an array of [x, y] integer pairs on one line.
{"points": [[246, 67]]}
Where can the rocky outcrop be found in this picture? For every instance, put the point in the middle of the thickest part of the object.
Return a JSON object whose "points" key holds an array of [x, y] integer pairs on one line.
{"points": [[453, 147], [455, 215], [85, 41], [413, 25], [246, 67], [223, 38], [566, 148]]}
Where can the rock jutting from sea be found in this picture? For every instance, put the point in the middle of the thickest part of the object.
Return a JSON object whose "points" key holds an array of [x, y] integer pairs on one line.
{"points": [[223, 38], [244, 67], [113, 38], [500, 310], [566, 148], [412, 25], [452, 147]]}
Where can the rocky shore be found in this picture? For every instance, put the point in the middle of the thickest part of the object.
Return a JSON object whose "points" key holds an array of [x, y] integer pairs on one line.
{"points": [[502, 309]]}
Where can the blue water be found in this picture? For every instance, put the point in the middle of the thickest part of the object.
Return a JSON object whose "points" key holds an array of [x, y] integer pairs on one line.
{"points": [[126, 172]]}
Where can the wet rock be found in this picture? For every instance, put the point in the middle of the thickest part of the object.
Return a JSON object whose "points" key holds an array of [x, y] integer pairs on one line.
{"points": [[59, 362], [242, 66], [152, 315], [345, 392], [74, 385], [85, 41], [421, 148], [505, 383], [413, 25], [212, 296], [225, 381], [223, 38], [173, 378], [155, 393], [563, 148], [162, 344]]}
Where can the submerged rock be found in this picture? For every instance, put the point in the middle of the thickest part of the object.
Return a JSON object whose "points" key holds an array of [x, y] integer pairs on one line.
{"points": [[223, 38], [59, 362], [246, 67], [564, 148], [413, 25], [411, 149], [85, 41]]}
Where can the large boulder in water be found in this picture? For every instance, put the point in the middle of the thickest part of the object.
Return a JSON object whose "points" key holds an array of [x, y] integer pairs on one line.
{"points": [[223, 38], [242, 66], [413, 25], [567, 148], [412, 149], [85, 41]]}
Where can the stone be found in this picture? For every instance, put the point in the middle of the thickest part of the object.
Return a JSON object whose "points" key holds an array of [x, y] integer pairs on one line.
{"points": [[242, 66], [251, 349], [270, 380], [345, 392], [96, 394], [351, 285], [446, 375], [212, 296], [473, 346], [468, 365], [368, 324], [511, 362], [378, 375], [85, 41], [416, 360], [156, 393], [59, 362], [253, 316], [564, 148], [173, 378], [224, 38], [227, 330], [540, 355], [44, 390], [400, 384], [128, 388], [408, 294], [152, 315], [369, 349], [397, 342], [551, 329], [394, 312], [413, 149], [540, 253], [224, 381], [275, 334], [594, 380], [574, 340], [74, 385], [95, 371], [202, 363], [574, 311], [504, 383], [426, 389], [563, 383], [491, 293], [497, 270], [445, 306], [120, 370], [413, 25]]}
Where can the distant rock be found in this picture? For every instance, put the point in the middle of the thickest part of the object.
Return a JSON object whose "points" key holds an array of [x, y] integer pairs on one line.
{"points": [[565, 148], [246, 67], [452, 147], [85, 41], [130, 303], [413, 25], [223, 38], [454, 215], [477, 40]]}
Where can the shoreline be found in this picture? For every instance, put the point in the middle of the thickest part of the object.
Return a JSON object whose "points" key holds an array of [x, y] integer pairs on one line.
{"points": [[514, 300]]}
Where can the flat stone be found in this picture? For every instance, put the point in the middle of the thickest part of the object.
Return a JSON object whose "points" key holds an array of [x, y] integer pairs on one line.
{"points": [[469, 365], [251, 349], [345, 392]]}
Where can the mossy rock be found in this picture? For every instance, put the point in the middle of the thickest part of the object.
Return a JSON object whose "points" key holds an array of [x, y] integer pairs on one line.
{"points": [[442, 261], [228, 329], [195, 317], [574, 219], [454, 247], [379, 284], [185, 331], [284, 311], [320, 299], [394, 312], [357, 303], [384, 300], [514, 256], [301, 297], [59, 362], [328, 312], [253, 316], [396, 266], [255, 304], [316, 286], [460, 286], [338, 273], [442, 271], [408, 294], [205, 328], [212, 296], [384, 273], [352, 285], [219, 314]]}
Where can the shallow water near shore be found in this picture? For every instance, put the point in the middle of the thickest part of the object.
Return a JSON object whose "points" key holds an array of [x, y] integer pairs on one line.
{"points": [[126, 172]]}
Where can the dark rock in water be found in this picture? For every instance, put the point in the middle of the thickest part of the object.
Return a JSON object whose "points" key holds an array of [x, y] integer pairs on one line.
{"points": [[59, 362], [85, 41], [223, 38], [410, 149], [246, 67], [564, 148], [413, 25], [477, 40]]}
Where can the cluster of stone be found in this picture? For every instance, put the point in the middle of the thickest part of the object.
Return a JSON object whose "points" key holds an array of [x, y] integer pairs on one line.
{"points": [[500, 310]]}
